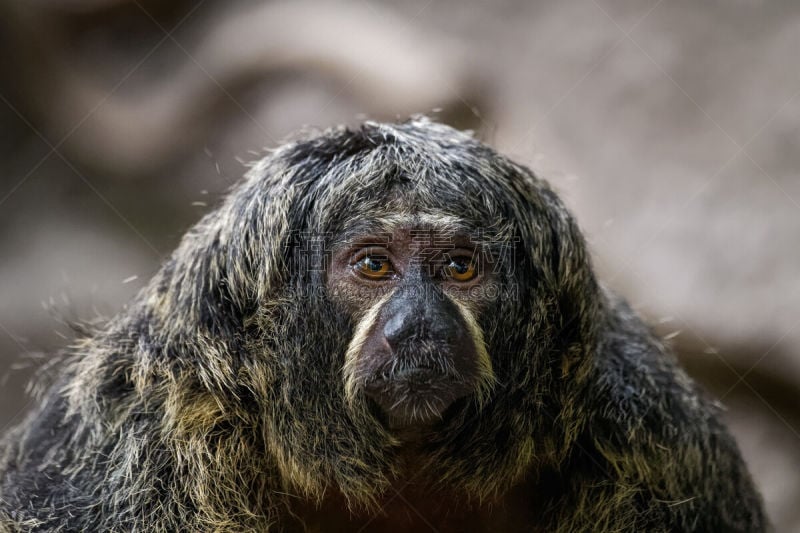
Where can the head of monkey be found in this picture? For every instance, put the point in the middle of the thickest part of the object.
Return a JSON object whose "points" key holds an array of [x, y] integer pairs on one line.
{"points": [[405, 284]]}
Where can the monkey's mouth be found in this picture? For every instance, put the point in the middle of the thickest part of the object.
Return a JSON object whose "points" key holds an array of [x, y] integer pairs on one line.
{"points": [[418, 395]]}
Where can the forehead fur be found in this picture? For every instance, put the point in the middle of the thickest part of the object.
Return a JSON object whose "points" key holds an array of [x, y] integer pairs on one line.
{"points": [[386, 171]]}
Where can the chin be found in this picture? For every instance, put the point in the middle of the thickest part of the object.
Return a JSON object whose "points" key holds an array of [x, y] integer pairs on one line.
{"points": [[421, 399]]}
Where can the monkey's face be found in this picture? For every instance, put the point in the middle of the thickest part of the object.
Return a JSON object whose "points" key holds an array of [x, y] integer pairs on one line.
{"points": [[413, 293]]}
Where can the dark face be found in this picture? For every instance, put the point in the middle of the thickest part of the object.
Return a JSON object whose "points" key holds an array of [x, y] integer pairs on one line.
{"points": [[414, 294]]}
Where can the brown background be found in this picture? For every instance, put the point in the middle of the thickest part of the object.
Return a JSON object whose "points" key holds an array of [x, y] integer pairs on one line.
{"points": [[671, 128]]}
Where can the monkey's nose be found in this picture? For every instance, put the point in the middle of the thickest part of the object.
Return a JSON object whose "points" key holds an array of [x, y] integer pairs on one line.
{"points": [[399, 327], [421, 322]]}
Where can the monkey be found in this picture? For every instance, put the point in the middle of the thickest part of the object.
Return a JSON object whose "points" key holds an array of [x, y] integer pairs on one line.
{"points": [[390, 327]]}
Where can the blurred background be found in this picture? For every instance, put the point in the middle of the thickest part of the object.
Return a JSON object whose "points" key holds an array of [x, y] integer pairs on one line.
{"points": [[670, 128]]}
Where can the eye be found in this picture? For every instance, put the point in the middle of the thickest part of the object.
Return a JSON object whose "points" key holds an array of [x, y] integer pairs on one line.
{"points": [[460, 269], [374, 267]]}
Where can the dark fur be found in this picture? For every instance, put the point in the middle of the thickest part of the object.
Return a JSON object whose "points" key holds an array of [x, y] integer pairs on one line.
{"points": [[215, 400]]}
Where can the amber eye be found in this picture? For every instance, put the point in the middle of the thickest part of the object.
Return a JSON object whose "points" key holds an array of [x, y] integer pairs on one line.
{"points": [[460, 269], [374, 267]]}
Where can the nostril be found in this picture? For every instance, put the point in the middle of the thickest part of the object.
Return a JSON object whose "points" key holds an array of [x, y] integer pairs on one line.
{"points": [[446, 328]]}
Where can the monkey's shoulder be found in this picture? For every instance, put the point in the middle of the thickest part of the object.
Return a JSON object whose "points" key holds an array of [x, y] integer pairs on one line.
{"points": [[637, 383], [651, 428]]}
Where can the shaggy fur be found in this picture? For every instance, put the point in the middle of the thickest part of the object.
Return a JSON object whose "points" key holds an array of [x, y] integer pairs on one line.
{"points": [[217, 398]]}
